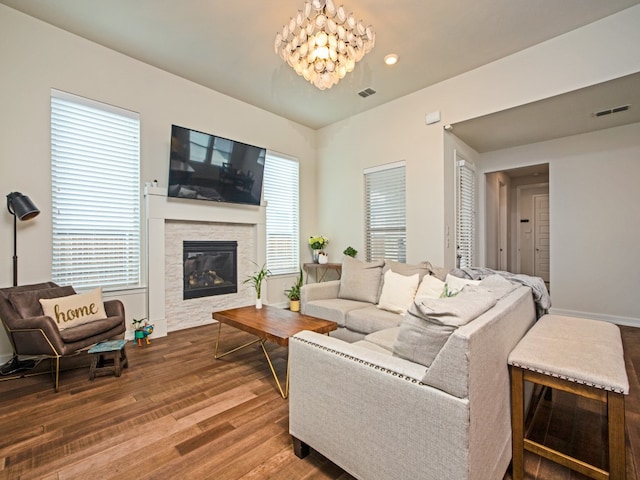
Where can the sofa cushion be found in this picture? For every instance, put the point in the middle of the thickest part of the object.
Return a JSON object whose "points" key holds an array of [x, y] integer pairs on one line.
{"points": [[398, 291], [456, 284], [407, 269], [88, 330], [430, 287], [384, 339], [360, 280], [74, 310], [429, 323], [27, 305], [333, 309], [498, 285], [371, 319]]}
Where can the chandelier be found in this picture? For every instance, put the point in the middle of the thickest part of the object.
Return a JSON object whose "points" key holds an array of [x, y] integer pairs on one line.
{"points": [[323, 43]]}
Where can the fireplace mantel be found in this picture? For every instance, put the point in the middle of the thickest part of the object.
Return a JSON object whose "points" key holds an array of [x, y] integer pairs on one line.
{"points": [[159, 210]]}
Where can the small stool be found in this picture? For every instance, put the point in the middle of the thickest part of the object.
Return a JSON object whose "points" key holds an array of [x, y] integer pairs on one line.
{"points": [[579, 356], [101, 364]]}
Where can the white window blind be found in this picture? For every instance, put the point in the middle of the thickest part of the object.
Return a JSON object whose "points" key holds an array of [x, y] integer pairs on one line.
{"points": [[385, 212], [465, 215], [281, 193], [95, 173]]}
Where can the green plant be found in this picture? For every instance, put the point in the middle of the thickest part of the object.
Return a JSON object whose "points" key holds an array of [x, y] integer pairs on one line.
{"points": [[318, 242], [350, 251], [257, 278], [294, 292]]}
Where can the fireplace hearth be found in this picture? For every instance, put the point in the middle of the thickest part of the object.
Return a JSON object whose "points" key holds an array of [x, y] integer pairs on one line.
{"points": [[210, 268]]}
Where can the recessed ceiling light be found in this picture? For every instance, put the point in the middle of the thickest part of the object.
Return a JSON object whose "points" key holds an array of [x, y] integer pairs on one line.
{"points": [[391, 59]]}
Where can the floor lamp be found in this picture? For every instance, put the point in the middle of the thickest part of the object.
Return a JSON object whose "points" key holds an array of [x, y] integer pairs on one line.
{"points": [[22, 208]]}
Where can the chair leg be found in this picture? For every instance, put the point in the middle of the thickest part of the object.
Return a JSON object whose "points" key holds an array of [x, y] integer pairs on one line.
{"points": [[57, 374]]}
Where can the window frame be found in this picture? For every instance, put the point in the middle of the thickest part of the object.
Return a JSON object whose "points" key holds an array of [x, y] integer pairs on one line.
{"points": [[90, 251], [282, 215], [391, 181]]}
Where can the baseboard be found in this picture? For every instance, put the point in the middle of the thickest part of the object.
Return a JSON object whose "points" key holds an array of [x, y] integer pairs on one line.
{"points": [[627, 321]]}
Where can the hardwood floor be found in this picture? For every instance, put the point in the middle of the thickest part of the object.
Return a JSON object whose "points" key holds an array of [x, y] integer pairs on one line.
{"points": [[176, 412]]}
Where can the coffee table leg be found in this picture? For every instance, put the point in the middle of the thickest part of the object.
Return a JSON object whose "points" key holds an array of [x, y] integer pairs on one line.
{"points": [[216, 356], [283, 393]]}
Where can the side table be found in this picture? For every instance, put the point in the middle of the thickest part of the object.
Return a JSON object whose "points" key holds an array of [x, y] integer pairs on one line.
{"points": [[108, 358], [321, 269]]}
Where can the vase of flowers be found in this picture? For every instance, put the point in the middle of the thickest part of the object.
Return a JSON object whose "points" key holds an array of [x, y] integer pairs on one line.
{"points": [[317, 244]]}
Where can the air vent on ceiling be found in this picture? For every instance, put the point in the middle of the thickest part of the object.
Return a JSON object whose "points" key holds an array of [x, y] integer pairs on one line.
{"points": [[609, 111], [366, 92]]}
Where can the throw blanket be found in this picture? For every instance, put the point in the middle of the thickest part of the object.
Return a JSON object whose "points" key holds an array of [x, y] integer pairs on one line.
{"points": [[540, 294]]}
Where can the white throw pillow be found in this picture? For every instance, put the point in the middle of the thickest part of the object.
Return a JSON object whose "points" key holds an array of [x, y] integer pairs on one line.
{"points": [[74, 310], [455, 284], [398, 291], [430, 287]]}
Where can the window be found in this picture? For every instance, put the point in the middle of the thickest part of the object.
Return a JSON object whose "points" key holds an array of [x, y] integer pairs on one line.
{"points": [[95, 174], [385, 212], [465, 212], [281, 195]]}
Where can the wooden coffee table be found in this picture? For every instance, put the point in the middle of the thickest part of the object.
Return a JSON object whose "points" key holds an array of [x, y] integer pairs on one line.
{"points": [[269, 324]]}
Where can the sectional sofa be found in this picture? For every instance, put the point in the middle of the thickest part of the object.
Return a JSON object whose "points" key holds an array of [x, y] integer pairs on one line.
{"points": [[417, 394]]}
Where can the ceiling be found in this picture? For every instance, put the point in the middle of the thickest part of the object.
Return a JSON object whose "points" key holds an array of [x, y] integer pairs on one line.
{"points": [[228, 45], [555, 117]]}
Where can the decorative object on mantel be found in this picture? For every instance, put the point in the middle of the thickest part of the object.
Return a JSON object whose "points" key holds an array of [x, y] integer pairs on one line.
{"points": [[256, 281], [323, 43], [350, 252], [293, 294], [317, 243]]}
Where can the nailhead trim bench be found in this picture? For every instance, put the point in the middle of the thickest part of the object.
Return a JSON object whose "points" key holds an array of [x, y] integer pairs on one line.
{"points": [[580, 356]]}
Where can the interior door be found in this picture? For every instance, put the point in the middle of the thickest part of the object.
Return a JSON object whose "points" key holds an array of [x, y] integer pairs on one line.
{"points": [[502, 227], [541, 237]]}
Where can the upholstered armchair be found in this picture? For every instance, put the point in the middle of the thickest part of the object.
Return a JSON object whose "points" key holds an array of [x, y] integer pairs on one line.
{"points": [[31, 332]]}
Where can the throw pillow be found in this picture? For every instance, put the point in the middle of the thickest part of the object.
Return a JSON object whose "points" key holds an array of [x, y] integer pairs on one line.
{"points": [[429, 323], [360, 280], [27, 304], [455, 284], [75, 310], [398, 291], [430, 287]]}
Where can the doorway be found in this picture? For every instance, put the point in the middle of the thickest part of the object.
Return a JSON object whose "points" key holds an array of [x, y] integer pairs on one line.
{"points": [[517, 220]]}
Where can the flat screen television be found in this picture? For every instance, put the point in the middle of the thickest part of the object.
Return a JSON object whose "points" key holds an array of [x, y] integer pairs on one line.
{"points": [[208, 167]]}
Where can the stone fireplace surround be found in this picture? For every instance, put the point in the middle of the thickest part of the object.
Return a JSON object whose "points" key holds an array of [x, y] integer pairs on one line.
{"points": [[170, 221]]}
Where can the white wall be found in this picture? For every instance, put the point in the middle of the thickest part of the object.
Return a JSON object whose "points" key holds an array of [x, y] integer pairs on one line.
{"points": [[595, 220], [37, 57], [599, 52]]}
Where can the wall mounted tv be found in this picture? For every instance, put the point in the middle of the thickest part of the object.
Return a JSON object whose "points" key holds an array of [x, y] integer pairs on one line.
{"points": [[207, 167]]}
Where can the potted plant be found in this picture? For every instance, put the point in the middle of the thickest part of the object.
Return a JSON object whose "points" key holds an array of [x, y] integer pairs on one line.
{"points": [[256, 281], [293, 294], [350, 251]]}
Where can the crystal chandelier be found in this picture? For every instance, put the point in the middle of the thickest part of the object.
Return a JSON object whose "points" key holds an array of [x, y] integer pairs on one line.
{"points": [[323, 43]]}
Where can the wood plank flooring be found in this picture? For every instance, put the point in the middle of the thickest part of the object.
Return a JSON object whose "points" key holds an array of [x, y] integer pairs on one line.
{"points": [[176, 412]]}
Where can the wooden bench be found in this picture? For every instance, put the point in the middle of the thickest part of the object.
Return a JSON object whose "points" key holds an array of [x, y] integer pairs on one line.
{"points": [[580, 356]]}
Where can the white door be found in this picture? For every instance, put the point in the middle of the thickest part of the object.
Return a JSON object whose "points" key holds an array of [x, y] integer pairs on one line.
{"points": [[541, 236], [502, 227]]}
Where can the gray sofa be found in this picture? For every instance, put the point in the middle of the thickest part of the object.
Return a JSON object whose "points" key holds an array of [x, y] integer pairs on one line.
{"points": [[351, 301], [426, 398]]}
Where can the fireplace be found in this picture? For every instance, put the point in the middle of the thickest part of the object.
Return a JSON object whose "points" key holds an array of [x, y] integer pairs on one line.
{"points": [[210, 268]]}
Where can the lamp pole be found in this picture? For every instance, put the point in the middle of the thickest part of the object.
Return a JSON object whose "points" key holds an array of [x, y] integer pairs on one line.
{"points": [[20, 206], [15, 250]]}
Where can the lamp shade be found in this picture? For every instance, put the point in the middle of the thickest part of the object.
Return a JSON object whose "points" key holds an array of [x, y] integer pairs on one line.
{"points": [[21, 206]]}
